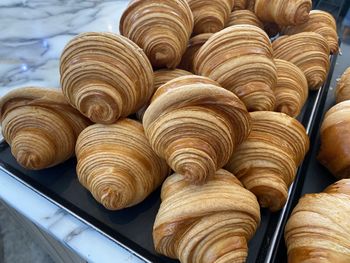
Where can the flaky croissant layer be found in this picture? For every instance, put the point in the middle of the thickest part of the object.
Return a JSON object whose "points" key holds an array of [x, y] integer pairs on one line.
{"points": [[335, 140], [117, 165], [105, 76], [194, 124], [342, 92], [318, 229], [208, 223], [40, 126], [266, 162], [240, 59], [161, 28]]}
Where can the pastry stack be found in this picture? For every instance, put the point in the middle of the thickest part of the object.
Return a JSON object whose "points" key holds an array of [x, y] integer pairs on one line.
{"points": [[212, 92]]}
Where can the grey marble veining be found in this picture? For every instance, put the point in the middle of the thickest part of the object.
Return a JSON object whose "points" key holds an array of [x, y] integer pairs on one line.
{"points": [[34, 33]]}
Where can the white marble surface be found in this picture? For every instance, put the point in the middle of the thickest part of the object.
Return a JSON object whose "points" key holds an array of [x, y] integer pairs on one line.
{"points": [[33, 34]]}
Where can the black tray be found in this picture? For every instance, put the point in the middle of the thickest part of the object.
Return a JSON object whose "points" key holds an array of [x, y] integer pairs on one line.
{"points": [[132, 227], [314, 177]]}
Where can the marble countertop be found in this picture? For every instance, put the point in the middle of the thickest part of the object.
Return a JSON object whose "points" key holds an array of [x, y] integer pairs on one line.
{"points": [[33, 34]]}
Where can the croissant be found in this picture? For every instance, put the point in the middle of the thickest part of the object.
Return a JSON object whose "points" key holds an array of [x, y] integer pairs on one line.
{"points": [[342, 91], [204, 224], [266, 162], [309, 51], [283, 12], [194, 45], [161, 28], [320, 22], [240, 17], [195, 125], [318, 229], [161, 77], [117, 165], [240, 59], [335, 140], [244, 4], [40, 126], [105, 76], [291, 90], [210, 16]]}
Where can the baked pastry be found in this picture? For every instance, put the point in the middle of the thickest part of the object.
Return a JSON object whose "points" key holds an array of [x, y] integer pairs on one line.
{"points": [[210, 16], [320, 22], [335, 140], [195, 125], [40, 126], [309, 51], [194, 45], [117, 165], [208, 223], [291, 89], [161, 28], [267, 161], [105, 76], [283, 12], [240, 59], [318, 229], [242, 17], [342, 91], [161, 77]]}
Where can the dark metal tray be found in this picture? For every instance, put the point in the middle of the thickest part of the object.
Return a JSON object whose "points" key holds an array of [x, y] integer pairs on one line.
{"points": [[132, 227]]}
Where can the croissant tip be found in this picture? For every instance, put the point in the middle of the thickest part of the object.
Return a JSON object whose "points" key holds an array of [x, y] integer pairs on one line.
{"points": [[28, 159]]}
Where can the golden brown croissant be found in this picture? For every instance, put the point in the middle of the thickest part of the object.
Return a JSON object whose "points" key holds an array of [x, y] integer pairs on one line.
{"points": [[291, 90], [309, 51], [318, 229], [205, 224], [240, 58], [195, 125], [266, 162], [240, 17], [161, 28], [320, 22], [117, 165], [335, 140], [283, 12], [105, 76], [161, 77], [342, 92], [194, 45], [40, 126], [244, 4], [210, 16]]}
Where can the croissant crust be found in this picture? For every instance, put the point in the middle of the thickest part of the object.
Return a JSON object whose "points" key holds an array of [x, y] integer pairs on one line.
{"points": [[209, 223], [283, 12], [240, 59], [105, 76], [335, 140], [161, 28], [320, 22], [266, 162], [342, 91], [309, 51], [318, 229], [195, 125], [291, 89], [40, 126], [117, 165]]}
